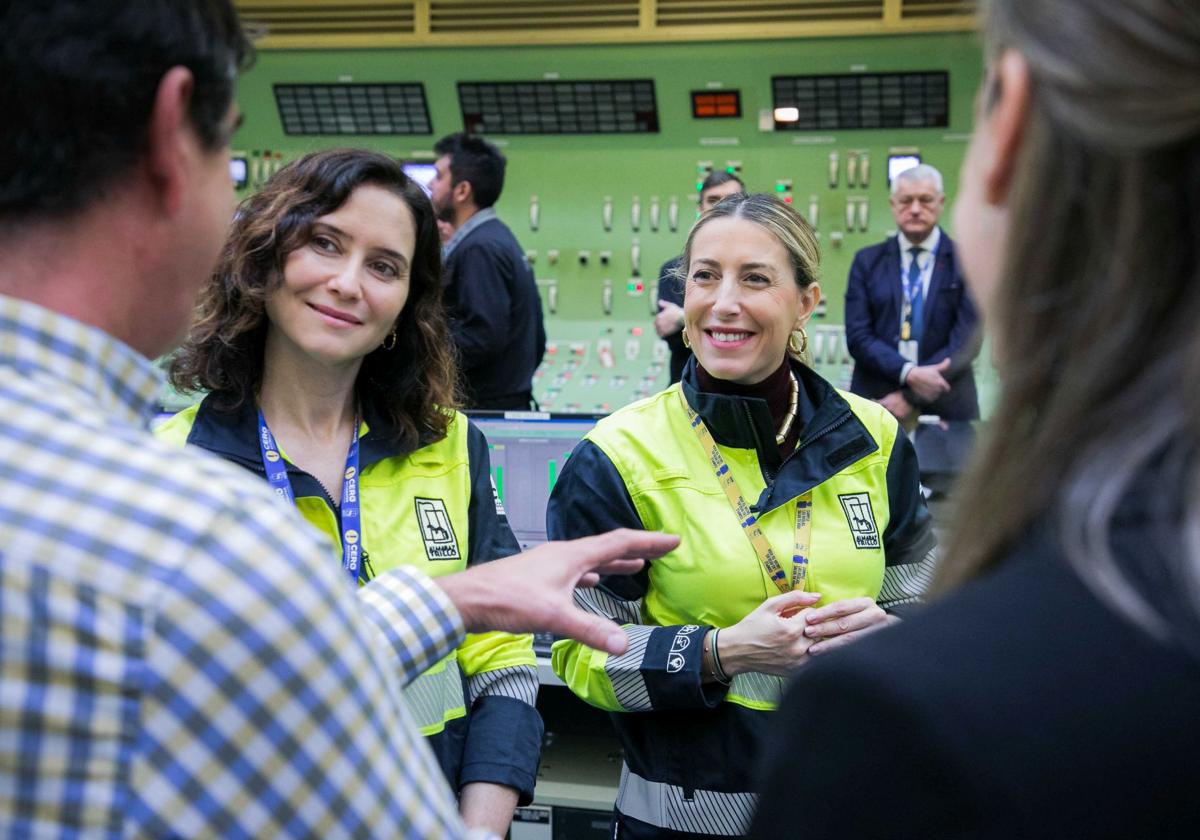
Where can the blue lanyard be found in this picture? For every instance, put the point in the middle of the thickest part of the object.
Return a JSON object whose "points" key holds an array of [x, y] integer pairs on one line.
{"points": [[277, 477]]}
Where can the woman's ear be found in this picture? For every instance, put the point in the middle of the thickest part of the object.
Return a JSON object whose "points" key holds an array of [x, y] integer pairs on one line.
{"points": [[1006, 120], [810, 296]]}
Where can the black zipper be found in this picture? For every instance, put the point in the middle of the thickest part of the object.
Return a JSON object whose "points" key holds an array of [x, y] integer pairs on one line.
{"points": [[767, 477], [841, 421], [366, 572], [259, 468]]}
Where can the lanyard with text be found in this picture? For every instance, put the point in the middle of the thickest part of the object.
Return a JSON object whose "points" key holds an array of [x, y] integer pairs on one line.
{"points": [[749, 522], [278, 478]]}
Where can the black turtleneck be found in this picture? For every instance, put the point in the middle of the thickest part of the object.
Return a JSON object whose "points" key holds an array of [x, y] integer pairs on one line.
{"points": [[776, 389]]}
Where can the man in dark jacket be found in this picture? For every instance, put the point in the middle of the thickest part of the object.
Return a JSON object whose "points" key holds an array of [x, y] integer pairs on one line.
{"points": [[495, 311], [668, 323], [910, 324]]}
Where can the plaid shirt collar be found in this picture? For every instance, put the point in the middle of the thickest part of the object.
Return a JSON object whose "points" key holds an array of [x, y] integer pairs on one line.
{"points": [[85, 359]]}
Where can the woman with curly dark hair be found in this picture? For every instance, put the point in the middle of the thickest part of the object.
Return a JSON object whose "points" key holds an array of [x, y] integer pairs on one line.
{"points": [[322, 344]]}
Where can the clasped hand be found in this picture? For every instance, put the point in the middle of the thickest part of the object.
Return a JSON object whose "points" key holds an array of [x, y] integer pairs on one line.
{"points": [[927, 381], [777, 636], [837, 624]]}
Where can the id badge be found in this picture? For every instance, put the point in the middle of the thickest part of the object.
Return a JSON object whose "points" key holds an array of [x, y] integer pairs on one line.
{"points": [[908, 349]]}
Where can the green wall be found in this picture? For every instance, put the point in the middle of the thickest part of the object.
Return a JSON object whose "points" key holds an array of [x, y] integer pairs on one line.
{"points": [[572, 175]]}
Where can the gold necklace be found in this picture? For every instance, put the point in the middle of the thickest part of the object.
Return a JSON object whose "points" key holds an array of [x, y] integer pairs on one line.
{"points": [[786, 425]]}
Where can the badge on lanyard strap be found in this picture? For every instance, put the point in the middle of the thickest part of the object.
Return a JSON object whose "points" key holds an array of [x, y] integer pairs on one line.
{"points": [[351, 524], [749, 522], [908, 348]]}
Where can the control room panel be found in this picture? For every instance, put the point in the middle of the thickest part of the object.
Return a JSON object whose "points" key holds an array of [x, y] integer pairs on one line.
{"points": [[607, 146]]}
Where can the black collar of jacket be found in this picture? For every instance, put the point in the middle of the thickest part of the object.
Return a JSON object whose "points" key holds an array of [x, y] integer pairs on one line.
{"points": [[832, 439], [234, 436]]}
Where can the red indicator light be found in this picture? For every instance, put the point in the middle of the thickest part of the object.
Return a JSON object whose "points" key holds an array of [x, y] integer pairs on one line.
{"points": [[636, 331]]}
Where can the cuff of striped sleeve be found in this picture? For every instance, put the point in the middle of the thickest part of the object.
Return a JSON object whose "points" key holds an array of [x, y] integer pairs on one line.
{"points": [[504, 743], [417, 619], [672, 669], [904, 585]]}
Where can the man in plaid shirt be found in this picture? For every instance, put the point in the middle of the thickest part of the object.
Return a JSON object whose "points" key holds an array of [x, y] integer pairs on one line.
{"points": [[159, 678]]}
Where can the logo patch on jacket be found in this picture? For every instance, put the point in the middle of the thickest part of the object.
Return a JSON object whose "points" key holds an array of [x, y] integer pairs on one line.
{"points": [[681, 642], [436, 530], [861, 519], [496, 499]]}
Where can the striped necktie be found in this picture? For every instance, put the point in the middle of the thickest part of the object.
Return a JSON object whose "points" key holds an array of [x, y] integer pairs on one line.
{"points": [[916, 297]]}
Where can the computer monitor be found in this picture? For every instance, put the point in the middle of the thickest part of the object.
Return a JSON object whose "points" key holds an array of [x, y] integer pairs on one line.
{"points": [[422, 173], [239, 171], [899, 163], [527, 451]]}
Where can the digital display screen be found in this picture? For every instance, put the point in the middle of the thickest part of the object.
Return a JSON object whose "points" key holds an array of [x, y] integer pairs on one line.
{"points": [[239, 172], [376, 108], [710, 105], [899, 163], [527, 455], [422, 173], [597, 106], [861, 100]]}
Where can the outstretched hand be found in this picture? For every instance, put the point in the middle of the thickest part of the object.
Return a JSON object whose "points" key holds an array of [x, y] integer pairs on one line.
{"points": [[532, 591]]}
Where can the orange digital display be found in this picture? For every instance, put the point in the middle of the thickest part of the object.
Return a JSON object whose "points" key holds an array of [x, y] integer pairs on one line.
{"points": [[710, 105]]}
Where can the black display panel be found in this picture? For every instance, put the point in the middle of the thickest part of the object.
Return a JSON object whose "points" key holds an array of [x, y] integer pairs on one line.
{"points": [[616, 106], [386, 108], [862, 100]]}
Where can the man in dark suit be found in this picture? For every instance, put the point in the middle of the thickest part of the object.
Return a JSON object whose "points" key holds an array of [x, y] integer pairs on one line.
{"points": [[910, 325], [495, 312]]}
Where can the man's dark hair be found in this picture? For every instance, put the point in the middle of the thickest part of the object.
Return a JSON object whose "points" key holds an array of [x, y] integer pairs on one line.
{"points": [[476, 161], [80, 79], [721, 176]]}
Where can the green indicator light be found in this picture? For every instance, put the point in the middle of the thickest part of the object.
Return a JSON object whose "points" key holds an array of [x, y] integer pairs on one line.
{"points": [[552, 477], [500, 483], [699, 186], [780, 188], [731, 169], [632, 287]]}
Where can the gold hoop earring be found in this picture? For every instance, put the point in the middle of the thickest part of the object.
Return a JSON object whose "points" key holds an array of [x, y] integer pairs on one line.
{"points": [[389, 343], [798, 346], [686, 343]]}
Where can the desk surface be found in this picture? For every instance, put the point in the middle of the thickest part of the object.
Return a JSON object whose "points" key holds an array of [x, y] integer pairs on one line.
{"points": [[943, 447], [579, 771]]}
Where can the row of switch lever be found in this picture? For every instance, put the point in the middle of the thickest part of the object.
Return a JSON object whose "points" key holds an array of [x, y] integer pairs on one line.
{"points": [[635, 214]]}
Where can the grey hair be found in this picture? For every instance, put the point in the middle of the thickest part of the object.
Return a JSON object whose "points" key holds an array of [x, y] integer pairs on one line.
{"points": [[920, 172]]}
